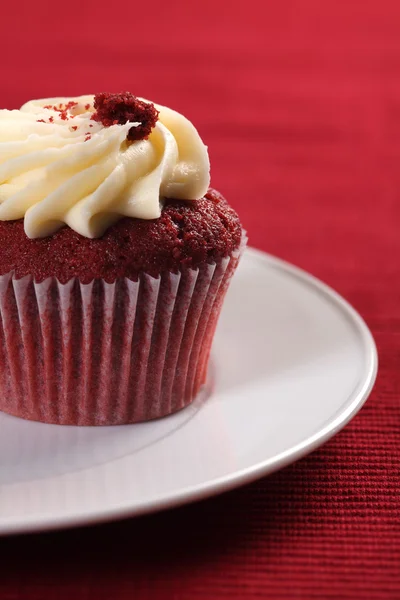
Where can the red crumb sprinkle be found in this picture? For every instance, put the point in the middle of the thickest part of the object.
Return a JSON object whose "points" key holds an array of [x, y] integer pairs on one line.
{"points": [[74, 127], [51, 119], [88, 137], [87, 106], [90, 124], [118, 109], [62, 109], [40, 121]]}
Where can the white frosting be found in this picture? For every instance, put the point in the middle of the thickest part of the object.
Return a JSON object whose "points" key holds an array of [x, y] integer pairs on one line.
{"points": [[78, 172]]}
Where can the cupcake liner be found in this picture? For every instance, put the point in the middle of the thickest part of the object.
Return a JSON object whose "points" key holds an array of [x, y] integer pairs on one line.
{"points": [[108, 353]]}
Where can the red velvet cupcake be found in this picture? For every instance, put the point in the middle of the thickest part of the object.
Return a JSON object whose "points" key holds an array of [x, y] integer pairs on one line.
{"points": [[114, 261]]}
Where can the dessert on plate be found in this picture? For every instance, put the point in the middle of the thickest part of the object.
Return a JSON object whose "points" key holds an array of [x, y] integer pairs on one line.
{"points": [[115, 257]]}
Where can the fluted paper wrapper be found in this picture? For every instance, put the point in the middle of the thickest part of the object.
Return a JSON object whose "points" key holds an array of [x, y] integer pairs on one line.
{"points": [[108, 353]]}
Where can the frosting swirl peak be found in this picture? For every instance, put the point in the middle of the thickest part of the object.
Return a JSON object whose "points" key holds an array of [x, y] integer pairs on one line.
{"points": [[60, 165]]}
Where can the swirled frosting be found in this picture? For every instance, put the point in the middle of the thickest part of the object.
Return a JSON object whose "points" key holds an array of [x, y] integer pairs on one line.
{"points": [[59, 166]]}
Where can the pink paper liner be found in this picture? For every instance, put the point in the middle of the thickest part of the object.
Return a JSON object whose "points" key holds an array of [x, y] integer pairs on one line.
{"points": [[108, 353]]}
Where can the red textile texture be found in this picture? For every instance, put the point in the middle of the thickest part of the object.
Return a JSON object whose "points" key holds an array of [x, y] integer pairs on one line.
{"points": [[299, 102]]}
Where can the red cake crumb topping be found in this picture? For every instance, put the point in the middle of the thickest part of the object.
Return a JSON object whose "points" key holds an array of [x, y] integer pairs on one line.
{"points": [[118, 109], [187, 234], [62, 109]]}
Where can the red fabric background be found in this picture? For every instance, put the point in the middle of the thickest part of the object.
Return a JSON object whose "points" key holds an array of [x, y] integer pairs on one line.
{"points": [[299, 102]]}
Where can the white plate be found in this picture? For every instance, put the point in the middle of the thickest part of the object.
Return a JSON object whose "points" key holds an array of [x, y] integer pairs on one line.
{"points": [[292, 364]]}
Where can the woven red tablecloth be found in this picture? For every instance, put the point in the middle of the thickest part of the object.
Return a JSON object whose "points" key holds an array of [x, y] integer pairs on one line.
{"points": [[299, 102]]}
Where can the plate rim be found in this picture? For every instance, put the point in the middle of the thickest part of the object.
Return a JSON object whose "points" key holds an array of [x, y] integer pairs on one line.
{"points": [[216, 486]]}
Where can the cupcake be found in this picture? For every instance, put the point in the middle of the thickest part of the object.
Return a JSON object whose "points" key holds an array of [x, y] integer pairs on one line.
{"points": [[115, 257]]}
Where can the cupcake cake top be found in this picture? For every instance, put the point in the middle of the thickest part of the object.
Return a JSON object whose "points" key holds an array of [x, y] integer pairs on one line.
{"points": [[90, 160]]}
